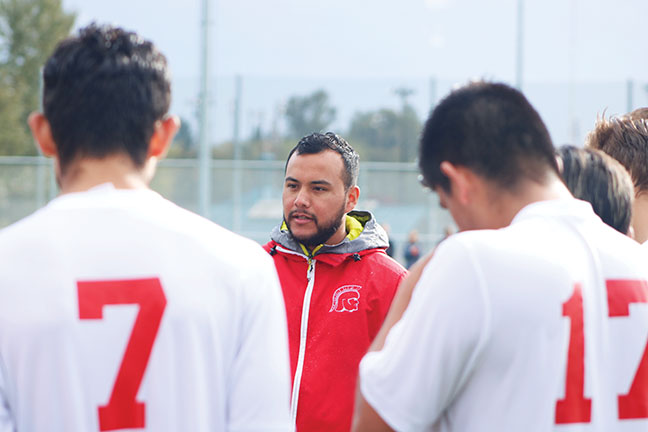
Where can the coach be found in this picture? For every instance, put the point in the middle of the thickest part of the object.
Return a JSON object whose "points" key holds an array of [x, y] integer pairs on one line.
{"points": [[337, 280]]}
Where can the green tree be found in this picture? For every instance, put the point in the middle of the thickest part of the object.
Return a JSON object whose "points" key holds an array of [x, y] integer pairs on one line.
{"points": [[29, 32], [387, 135], [374, 135], [308, 114]]}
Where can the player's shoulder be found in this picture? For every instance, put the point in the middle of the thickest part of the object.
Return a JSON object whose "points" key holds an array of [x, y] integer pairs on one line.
{"points": [[201, 240], [31, 227], [546, 240], [492, 247], [477, 240], [227, 244], [620, 249]]}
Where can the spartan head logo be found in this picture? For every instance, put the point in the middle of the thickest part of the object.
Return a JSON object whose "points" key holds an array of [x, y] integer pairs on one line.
{"points": [[346, 299]]}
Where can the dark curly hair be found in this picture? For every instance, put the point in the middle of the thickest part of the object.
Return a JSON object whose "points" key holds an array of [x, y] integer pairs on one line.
{"points": [[104, 89]]}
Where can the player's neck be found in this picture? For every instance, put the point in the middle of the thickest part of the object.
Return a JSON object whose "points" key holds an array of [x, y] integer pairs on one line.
{"points": [[640, 217], [119, 170], [508, 204]]}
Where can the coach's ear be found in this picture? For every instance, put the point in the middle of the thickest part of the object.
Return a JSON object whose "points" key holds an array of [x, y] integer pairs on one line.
{"points": [[353, 194], [461, 181], [42, 133], [163, 134]]}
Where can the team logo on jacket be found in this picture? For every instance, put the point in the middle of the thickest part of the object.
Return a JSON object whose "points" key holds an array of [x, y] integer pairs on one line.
{"points": [[346, 299]]}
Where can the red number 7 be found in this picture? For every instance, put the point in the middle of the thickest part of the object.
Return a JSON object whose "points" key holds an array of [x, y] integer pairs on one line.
{"points": [[122, 410], [575, 408]]}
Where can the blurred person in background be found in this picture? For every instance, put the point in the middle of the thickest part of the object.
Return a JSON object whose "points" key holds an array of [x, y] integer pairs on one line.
{"points": [[625, 138], [412, 249], [391, 250], [448, 230], [120, 310], [515, 321], [337, 280]]}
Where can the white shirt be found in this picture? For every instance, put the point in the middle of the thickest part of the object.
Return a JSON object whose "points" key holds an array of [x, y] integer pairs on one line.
{"points": [[210, 343], [485, 341]]}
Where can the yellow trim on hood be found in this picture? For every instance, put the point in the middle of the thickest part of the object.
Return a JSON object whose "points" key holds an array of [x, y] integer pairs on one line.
{"points": [[354, 227]]}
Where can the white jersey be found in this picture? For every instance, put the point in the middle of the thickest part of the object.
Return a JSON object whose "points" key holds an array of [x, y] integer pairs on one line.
{"points": [[540, 326], [121, 311]]}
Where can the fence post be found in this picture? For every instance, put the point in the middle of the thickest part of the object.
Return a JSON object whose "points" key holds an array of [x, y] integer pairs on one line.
{"points": [[629, 93], [236, 184]]}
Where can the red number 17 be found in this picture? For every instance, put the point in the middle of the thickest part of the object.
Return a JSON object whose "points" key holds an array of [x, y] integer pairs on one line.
{"points": [[122, 410], [575, 408]]}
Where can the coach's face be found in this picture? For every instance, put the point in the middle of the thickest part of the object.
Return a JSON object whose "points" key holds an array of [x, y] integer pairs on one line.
{"points": [[315, 200]]}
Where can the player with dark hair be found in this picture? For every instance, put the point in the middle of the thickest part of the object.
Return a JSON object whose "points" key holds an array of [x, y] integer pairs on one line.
{"points": [[120, 310], [595, 177], [337, 280], [522, 321], [625, 138], [105, 92]]}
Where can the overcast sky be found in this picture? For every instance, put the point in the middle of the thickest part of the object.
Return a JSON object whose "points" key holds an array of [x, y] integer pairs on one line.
{"points": [[577, 41]]}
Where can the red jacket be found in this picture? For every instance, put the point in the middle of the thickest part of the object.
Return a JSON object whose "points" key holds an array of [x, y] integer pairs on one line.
{"points": [[336, 301]]}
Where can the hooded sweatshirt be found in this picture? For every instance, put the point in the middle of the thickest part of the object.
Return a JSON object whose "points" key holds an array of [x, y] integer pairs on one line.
{"points": [[336, 299]]}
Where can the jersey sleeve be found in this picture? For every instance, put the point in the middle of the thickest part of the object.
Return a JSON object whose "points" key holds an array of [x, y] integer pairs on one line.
{"points": [[259, 391], [430, 352]]}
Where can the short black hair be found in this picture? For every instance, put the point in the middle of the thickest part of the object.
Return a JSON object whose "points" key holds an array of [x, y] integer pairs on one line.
{"points": [[490, 128], [103, 91], [318, 142], [599, 179]]}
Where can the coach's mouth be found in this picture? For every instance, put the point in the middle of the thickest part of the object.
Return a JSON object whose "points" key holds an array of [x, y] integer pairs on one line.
{"points": [[301, 217]]}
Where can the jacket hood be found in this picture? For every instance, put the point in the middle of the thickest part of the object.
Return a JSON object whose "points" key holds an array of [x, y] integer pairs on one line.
{"points": [[372, 236]]}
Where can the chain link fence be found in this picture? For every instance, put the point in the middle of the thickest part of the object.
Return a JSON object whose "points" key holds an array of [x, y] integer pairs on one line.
{"points": [[246, 195]]}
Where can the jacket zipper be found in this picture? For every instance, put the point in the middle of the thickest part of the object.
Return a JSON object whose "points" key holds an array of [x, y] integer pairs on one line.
{"points": [[310, 275]]}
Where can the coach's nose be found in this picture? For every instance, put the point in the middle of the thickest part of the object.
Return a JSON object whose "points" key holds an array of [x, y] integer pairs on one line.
{"points": [[302, 200]]}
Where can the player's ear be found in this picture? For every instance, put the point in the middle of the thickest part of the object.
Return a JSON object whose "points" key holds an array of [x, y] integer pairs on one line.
{"points": [[163, 134], [42, 133], [353, 194], [461, 181]]}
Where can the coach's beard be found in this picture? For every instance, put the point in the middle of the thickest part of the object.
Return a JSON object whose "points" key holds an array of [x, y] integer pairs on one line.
{"points": [[323, 232]]}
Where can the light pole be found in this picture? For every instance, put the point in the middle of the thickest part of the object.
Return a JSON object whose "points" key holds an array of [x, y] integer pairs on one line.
{"points": [[236, 184], [204, 157]]}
